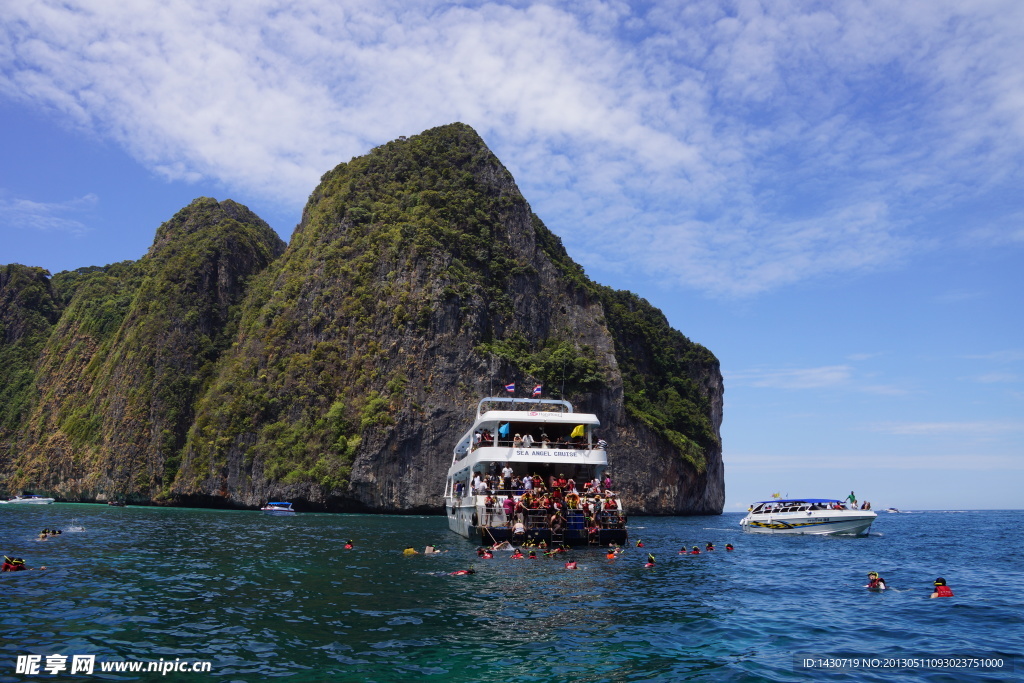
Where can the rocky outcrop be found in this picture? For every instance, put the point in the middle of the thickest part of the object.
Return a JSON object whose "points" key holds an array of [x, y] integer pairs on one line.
{"points": [[338, 372]]}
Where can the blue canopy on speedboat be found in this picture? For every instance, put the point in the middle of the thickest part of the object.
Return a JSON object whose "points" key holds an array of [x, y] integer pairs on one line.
{"points": [[799, 500]]}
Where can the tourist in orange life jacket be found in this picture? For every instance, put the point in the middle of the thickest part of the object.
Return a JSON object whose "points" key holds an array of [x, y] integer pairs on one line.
{"points": [[695, 551], [463, 572], [517, 555], [941, 589], [709, 547], [683, 550], [650, 560], [728, 546]]}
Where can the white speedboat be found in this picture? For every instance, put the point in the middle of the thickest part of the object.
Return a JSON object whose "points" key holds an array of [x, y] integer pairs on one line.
{"points": [[28, 499], [542, 439], [807, 516], [278, 509]]}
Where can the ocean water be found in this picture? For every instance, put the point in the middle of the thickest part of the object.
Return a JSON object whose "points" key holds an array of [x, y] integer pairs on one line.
{"points": [[261, 597]]}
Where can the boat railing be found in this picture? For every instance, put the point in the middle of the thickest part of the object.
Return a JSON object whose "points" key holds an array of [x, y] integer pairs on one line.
{"points": [[535, 518]]}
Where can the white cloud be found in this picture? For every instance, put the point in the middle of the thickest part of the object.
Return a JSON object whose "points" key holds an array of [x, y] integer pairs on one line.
{"points": [[47, 217], [746, 462], [794, 378], [731, 149]]}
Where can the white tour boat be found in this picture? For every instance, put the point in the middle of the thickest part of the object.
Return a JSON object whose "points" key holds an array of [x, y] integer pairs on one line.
{"points": [[278, 509], [28, 499], [807, 516], [542, 439]]}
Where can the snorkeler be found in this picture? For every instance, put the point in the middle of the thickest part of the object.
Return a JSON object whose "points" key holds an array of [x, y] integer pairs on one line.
{"points": [[728, 546], [15, 564], [695, 551], [517, 555], [348, 544], [650, 560], [709, 547], [571, 565], [463, 572]]}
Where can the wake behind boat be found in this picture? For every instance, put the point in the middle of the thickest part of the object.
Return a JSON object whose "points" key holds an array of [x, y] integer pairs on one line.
{"points": [[531, 475], [807, 516], [28, 499]]}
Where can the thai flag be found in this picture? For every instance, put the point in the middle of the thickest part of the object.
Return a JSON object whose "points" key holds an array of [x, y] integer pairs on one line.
{"points": [[537, 389], [510, 388]]}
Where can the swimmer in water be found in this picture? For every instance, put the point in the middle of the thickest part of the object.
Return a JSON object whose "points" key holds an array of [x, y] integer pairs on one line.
{"points": [[650, 560], [410, 551], [728, 546], [695, 551], [533, 555], [640, 543], [708, 548], [463, 572], [15, 564], [517, 555], [941, 589], [875, 583], [348, 544], [571, 565]]}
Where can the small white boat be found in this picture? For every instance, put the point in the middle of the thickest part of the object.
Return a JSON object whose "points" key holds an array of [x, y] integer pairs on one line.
{"points": [[892, 510], [278, 509], [28, 499], [807, 516]]}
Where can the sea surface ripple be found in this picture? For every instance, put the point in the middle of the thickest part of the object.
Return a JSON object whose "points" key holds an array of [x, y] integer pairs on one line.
{"points": [[278, 597]]}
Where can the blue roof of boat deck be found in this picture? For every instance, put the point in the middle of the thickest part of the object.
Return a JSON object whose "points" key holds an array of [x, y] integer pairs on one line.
{"points": [[278, 503], [800, 500]]}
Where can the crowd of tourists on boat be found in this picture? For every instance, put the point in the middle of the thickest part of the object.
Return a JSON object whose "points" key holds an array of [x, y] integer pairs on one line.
{"points": [[524, 502], [484, 437], [789, 506]]}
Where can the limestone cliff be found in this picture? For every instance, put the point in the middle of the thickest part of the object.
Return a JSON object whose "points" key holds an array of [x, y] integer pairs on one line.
{"points": [[338, 373]]}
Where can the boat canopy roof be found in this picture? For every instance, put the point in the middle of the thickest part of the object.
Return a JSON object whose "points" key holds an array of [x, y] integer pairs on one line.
{"points": [[538, 416], [799, 500], [272, 503]]}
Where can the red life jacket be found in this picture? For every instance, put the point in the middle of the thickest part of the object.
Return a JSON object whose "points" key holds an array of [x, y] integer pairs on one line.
{"points": [[944, 591]]}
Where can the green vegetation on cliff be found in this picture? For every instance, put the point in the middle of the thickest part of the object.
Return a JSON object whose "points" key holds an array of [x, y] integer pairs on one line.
{"points": [[28, 311], [223, 366], [135, 345]]}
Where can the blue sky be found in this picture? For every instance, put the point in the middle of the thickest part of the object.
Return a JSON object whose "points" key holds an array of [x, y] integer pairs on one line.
{"points": [[827, 195]]}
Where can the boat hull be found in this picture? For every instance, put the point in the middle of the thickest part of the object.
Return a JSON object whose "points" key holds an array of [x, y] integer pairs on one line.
{"points": [[834, 523]]}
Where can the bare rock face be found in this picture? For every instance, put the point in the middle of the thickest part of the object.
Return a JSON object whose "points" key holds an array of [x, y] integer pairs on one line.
{"points": [[219, 370]]}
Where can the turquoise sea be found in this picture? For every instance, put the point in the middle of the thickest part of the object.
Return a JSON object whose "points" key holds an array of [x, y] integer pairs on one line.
{"points": [[261, 597]]}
